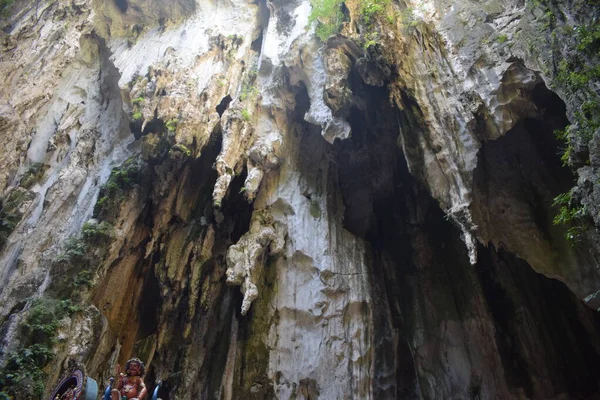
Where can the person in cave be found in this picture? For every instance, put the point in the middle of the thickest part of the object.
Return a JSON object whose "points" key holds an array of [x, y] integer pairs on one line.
{"points": [[130, 385]]}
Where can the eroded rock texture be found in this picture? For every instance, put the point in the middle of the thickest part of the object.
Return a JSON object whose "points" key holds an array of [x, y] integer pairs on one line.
{"points": [[258, 214]]}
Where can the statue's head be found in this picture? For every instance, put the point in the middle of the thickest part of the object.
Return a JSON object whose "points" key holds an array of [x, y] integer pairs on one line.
{"points": [[135, 367]]}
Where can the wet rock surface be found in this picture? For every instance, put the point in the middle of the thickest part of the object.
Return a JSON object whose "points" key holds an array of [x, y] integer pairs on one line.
{"points": [[257, 213]]}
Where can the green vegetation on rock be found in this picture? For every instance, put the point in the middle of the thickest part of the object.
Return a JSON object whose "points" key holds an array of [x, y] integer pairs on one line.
{"points": [[249, 91], [370, 9], [181, 149], [246, 115], [10, 213], [171, 124], [409, 19], [137, 116], [576, 54], [328, 16], [577, 74], [569, 213], [121, 180], [33, 174], [5, 7], [137, 103], [73, 270], [22, 377]]}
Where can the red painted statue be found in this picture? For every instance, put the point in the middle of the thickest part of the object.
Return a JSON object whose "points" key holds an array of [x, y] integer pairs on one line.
{"points": [[130, 385]]}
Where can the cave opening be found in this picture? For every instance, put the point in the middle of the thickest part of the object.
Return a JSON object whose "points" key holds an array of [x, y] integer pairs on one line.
{"points": [[122, 4], [236, 206], [524, 166], [155, 125], [421, 274], [387, 207], [216, 302], [256, 44], [515, 183], [536, 318], [223, 105], [150, 305], [190, 212]]}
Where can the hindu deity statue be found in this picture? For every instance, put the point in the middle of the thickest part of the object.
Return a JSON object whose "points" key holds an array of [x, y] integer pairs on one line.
{"points": [[130, 385]]}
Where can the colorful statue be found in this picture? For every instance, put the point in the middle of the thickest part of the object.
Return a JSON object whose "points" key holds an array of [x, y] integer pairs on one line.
{"points": [[130, 385], [68, 395], [75, 385]]}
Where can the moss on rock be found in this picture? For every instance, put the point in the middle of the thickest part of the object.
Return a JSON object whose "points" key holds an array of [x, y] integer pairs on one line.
{"points": [[120, 182], [11, 212], [22, 377]]}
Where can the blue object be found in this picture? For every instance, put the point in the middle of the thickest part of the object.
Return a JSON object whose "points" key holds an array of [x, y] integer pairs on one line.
{"points": [[91, 389], [108, 389], [155, 395]]}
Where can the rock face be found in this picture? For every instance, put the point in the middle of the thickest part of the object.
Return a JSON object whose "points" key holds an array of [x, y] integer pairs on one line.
{"points": [[257, 213]]}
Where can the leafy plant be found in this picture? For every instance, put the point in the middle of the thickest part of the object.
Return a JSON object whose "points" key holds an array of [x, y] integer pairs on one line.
{"points": [[369, 43], [33, 174], [568, 213], [74, 268], [74, 251], [246, 115], [502, 39], [93, 232], [408, 17], [5, 7], [138, 100], [588, 37], [248, 92], [171, 124], [369, 9], [22, 376], [577, 73], [137, 116], [10, 213], [181, 149], [84, 278], [328, 16], [121, 180], [371, 40]]}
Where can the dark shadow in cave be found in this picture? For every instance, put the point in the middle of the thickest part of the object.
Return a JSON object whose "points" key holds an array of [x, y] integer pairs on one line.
{"points": [[523, 165], [378, 194], [215, 320], [419, 261], [156, 125], [417, 254], [546, 322], [223, 105], [122, 4], [525, 162], [150, 304], [192, 212], [514, 185], [235, 205]]}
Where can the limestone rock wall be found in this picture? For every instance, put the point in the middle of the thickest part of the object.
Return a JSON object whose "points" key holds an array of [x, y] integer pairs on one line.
{"points": [[256, 213]]}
